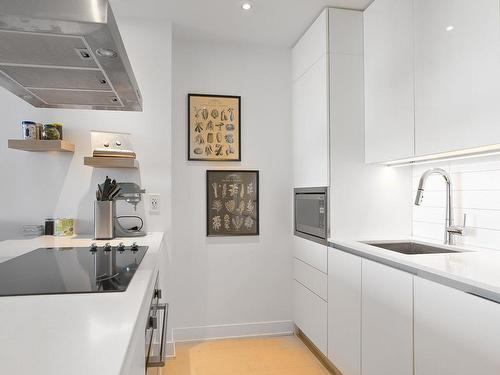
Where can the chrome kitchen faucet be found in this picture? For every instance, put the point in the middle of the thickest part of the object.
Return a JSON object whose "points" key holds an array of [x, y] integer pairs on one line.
{"points": [[449, 228]]}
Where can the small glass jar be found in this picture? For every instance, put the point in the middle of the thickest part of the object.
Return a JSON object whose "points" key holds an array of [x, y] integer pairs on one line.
{"points": [[50, 132], [59, 128]]}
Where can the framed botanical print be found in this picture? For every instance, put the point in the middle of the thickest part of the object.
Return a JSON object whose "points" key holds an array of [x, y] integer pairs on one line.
{"points": [[214, 129], [232, 203]]}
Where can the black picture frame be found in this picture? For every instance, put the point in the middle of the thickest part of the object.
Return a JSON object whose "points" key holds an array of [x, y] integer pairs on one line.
{"points": [[240, 216], [190, 124]]}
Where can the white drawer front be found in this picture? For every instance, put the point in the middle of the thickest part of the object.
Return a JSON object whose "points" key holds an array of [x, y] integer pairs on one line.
{"points": [[310, 277], [312, 253], [310, 315]]}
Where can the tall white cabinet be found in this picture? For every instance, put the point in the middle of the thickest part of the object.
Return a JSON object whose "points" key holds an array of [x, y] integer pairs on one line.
{"points": [[328, 150], [310, 96], [432, 77]]}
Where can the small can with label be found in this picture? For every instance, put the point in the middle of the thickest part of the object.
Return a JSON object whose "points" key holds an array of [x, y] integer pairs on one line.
{"points": [[30, 130], [64, 227]]}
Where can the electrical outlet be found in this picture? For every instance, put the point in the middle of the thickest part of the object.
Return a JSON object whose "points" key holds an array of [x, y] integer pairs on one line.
{"points": [[154, 203]]}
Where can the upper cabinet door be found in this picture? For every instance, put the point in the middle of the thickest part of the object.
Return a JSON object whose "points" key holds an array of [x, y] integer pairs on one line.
{"points": [[311, 46], [310, 115], [457, 74], [389, 92]]}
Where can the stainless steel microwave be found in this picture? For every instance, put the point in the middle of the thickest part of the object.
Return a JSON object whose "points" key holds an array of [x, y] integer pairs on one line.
{"points": [[311, 213]]}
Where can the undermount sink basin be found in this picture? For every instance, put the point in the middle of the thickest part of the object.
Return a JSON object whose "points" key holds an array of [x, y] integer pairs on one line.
{"points": [[411, 248]]}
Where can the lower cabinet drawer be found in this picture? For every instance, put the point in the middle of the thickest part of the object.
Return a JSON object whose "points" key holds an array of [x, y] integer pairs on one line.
{"points": [[311, 278], [311, 253], [310, 315]]}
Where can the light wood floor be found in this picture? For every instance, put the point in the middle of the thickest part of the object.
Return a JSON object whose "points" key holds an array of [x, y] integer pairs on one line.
{"points": [[284, 355]]}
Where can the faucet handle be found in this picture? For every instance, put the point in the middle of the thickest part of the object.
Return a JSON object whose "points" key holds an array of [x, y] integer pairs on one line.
{"points": [[457, 229]]}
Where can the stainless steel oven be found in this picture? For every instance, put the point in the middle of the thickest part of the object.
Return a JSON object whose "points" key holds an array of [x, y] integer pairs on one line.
{"points": [[156, 331], [311, 214]]}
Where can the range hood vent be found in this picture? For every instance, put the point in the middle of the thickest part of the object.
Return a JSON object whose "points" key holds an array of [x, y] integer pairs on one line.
{"points": [[65, 54]]}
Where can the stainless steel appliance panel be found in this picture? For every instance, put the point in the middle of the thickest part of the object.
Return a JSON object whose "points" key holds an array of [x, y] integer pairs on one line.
{"points": [[311, 213]]}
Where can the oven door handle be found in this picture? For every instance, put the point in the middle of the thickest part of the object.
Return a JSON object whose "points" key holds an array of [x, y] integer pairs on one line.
{"points": [[159, 361]]}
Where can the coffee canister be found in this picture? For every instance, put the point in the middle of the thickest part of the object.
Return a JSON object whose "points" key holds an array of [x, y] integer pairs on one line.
{"points": [[30, 130]]}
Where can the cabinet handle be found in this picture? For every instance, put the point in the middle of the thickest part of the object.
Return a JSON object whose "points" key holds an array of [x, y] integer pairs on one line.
{"points": [[159, 361]]}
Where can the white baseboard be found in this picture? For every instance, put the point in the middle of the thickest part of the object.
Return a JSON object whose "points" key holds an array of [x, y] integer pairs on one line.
{"points": [[170, 349], [182, 334]]}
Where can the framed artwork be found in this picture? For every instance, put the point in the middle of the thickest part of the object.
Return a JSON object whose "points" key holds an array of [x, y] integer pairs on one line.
{"points": [[214, 129], [232, 203]]}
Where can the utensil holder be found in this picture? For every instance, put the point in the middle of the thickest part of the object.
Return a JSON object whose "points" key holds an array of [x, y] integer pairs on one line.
{"points": [[104, 216]]}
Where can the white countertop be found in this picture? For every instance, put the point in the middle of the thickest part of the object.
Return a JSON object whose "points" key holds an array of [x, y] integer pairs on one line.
{"points": [[473, 271], [87, 334]]}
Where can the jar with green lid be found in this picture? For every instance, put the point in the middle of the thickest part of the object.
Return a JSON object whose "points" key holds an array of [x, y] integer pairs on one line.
{"points": [[50, 132], [59, 127]]}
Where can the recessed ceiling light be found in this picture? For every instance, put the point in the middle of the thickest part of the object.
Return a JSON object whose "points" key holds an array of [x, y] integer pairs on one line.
{"points": [[246, 5], [449, 28]]}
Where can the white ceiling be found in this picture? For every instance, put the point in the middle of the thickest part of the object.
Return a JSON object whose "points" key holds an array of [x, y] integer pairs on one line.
{"points": [[271, 22]]}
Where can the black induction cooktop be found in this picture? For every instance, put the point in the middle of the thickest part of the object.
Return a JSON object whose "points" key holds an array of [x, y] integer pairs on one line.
{"points": [[71, 270]]}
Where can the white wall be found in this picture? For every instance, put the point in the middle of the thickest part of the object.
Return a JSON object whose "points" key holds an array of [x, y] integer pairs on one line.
{"points": [[476, 192], [238, 282], [40, 185]]}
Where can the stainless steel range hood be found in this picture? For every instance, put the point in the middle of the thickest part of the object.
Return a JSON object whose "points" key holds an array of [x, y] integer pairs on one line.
{"points": [[65, 54]]}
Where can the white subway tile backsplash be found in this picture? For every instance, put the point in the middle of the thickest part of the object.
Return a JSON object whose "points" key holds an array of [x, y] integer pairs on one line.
{"points": [[429, 231], [478, 237], [486, 200], [429, 214], [476, 192]]}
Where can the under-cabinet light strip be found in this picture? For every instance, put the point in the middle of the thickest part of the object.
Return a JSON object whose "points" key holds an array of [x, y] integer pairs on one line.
{"points": [[446, 156]]}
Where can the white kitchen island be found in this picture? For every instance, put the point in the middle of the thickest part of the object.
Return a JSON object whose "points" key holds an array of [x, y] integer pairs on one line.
{"points": [[87, 334]]}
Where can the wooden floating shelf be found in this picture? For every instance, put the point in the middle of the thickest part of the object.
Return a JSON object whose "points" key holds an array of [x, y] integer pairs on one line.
{"points": [[41, 145], [110, 162]]}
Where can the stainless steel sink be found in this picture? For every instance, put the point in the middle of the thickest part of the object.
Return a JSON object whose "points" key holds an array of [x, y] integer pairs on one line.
{"points": [[411, 248]]}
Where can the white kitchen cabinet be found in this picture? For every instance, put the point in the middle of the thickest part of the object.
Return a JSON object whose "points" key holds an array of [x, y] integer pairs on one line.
{"points": [[455, 333], [432, 77], [313, 279], [312, 253], [310, 315], [310, 121], [310, 47], [344, 311], [389, 94], [457, 74], [387, 320], [310, 126]]}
